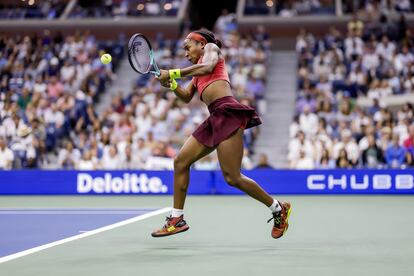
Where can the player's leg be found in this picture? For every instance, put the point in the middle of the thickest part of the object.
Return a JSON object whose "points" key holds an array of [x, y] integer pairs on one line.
{"points": [[230, 154], [191, 151]]}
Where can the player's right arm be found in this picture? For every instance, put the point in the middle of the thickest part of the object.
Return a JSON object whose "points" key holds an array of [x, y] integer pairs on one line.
{"points": [[185, 94]]}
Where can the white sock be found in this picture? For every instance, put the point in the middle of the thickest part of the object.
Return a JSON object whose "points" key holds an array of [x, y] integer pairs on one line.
{"points": [[175, 213], [275, 207]]}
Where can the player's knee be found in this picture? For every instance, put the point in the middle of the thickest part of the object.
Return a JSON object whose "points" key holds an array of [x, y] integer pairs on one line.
{"points": [[232, 179], [180, 163]]}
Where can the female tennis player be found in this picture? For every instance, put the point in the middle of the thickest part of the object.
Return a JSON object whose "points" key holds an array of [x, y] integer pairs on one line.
{"points": [[221, 131]]}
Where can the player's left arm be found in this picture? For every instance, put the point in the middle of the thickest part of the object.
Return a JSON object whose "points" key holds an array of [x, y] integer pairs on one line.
{"points": [[207, 65]]}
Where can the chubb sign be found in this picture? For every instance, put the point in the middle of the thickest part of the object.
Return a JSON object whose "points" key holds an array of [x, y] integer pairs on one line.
{"points": [[362, 182], [127, 183]]}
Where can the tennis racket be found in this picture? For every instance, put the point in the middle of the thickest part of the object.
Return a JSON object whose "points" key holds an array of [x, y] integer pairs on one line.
{"points": [[141, 55]]}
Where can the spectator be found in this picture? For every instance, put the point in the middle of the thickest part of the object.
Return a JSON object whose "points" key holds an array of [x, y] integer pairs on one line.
{"points": [[385, 48], [372, 156], [69, 156], [54, 88], [308, 121], [131, 160], [342, 161], [410, 157], [111, 159], [225, 23], [395, 154], [304, 162], [409, 142], [325, 161], [6, 156], [300, 143], [356, 25], [348, 143], [86, 163], [263, 162]]}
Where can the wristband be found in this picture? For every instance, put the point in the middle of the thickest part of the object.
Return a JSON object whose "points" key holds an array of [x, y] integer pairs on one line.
{"points": [[173, 84], [174, 73]]}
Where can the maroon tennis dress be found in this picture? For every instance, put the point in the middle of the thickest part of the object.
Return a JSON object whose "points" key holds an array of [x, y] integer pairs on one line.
{"points": [[227, 115]]}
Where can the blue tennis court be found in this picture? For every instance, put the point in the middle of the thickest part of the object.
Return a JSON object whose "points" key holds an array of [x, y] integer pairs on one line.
{"points": [[26, 228]]}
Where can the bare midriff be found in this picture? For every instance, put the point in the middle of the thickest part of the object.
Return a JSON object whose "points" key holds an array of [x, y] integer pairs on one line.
{"points": [[216, 90]]}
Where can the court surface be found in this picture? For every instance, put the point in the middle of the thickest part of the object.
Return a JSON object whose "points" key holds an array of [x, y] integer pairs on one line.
{"points": [[329, 235]]}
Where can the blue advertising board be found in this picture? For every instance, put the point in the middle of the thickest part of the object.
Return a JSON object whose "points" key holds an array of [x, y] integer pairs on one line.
{"points": [[41, 182], [327, 181]]}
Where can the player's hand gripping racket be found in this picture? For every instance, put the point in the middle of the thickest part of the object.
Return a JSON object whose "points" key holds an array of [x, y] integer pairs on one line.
{"points": [[141, 56]]}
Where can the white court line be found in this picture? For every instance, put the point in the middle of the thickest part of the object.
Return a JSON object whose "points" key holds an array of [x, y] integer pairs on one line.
{"points": [[69, 212], [83, 235], [74, 209]]}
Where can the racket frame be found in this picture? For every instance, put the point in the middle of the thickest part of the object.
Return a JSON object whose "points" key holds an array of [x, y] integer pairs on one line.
{"points": [[153, 63]]}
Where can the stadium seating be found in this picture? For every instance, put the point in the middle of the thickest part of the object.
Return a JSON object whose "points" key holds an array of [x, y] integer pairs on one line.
{"points": [[374, 62], [123, 8], [47, 90]]}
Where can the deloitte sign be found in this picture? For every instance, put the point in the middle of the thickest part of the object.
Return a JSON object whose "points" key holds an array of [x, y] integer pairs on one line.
{"points": [[128, 183]]}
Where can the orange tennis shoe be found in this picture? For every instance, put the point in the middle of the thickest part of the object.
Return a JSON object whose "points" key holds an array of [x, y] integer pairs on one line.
{"points": [[173, 226], [281, 223]]}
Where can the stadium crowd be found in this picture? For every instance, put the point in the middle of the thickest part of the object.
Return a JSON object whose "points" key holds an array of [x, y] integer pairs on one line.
{"points": [[290, 8], [49, 9], [123, 8], [372, 60], [378, 6], [49, 87], [53, 9]]}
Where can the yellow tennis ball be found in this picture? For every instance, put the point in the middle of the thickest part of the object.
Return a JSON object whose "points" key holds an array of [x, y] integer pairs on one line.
{"points": [[106, 58]]}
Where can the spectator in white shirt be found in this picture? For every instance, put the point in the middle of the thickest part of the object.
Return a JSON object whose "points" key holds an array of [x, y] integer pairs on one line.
{"points": [[111, 159], [349, 144], [385, 48], [86, 163], [6, 156], [304, 162], [54, 116], [308, 121], [68, 156], [67, 72], [299, 144], [40, 86], [353, 46], [130, 160], [403, 59], [370, 60]]}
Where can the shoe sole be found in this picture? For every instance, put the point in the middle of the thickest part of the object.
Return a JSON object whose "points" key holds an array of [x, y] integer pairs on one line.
{"points": [[170, 234]]}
